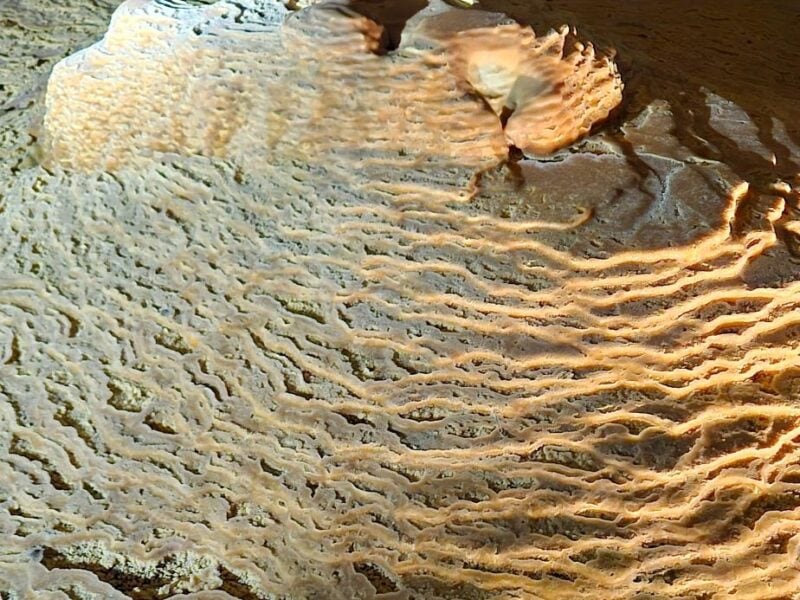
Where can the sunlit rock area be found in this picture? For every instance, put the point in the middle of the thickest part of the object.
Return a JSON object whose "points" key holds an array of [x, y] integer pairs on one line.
{"points": [[381, 300]]}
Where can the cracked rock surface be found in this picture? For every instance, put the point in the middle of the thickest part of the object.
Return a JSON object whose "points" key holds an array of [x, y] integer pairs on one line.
{"points": [[346, 364]]}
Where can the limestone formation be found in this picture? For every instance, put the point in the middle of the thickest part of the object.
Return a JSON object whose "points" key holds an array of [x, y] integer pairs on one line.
{"points": [[311, 358], [548, 90], [234, 81]]}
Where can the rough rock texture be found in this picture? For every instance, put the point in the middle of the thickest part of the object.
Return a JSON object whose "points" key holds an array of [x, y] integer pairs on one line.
{"points": [[567, 378], [236, 82]]}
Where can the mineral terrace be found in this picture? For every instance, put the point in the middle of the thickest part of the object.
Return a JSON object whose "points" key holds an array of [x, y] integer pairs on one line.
{"points": [[399, 300]]}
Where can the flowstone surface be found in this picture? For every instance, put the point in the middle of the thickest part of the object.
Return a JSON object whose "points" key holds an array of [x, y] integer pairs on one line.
{"points": [[341, 332]]}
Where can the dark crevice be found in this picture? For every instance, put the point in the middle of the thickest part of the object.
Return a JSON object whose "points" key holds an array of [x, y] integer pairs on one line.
{"points": [[505, 115], [392, 15], [376, 578], [267, 468], [233, 586], [14, 356], [131, 586]]}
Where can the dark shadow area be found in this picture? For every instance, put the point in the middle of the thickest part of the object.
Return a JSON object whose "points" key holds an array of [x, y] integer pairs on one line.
{"points": [[392, 14], [743, 51]]}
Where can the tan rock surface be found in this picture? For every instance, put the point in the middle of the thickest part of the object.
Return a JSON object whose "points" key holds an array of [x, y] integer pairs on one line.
{"points": [[224, 81], [323, 377]]}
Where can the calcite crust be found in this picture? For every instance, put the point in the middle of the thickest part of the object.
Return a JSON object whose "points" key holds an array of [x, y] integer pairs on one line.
{"points": [[315, 345], [209, 80]]}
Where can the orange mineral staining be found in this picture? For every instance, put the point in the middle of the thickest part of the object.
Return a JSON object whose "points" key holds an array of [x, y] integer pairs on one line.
{"points": [[231, 82], [265, 333], [548, 90]]}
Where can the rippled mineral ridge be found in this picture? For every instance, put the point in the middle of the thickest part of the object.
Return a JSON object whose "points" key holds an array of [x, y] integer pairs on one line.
{"points": [[285, 367]]}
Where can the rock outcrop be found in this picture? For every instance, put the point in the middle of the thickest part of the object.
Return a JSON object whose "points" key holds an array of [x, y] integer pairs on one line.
{"points": [[234, 81], [338, 366]]}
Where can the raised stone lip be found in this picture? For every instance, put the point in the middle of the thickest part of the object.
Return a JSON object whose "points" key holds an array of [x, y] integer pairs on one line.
{"points": [[546, 92]]}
